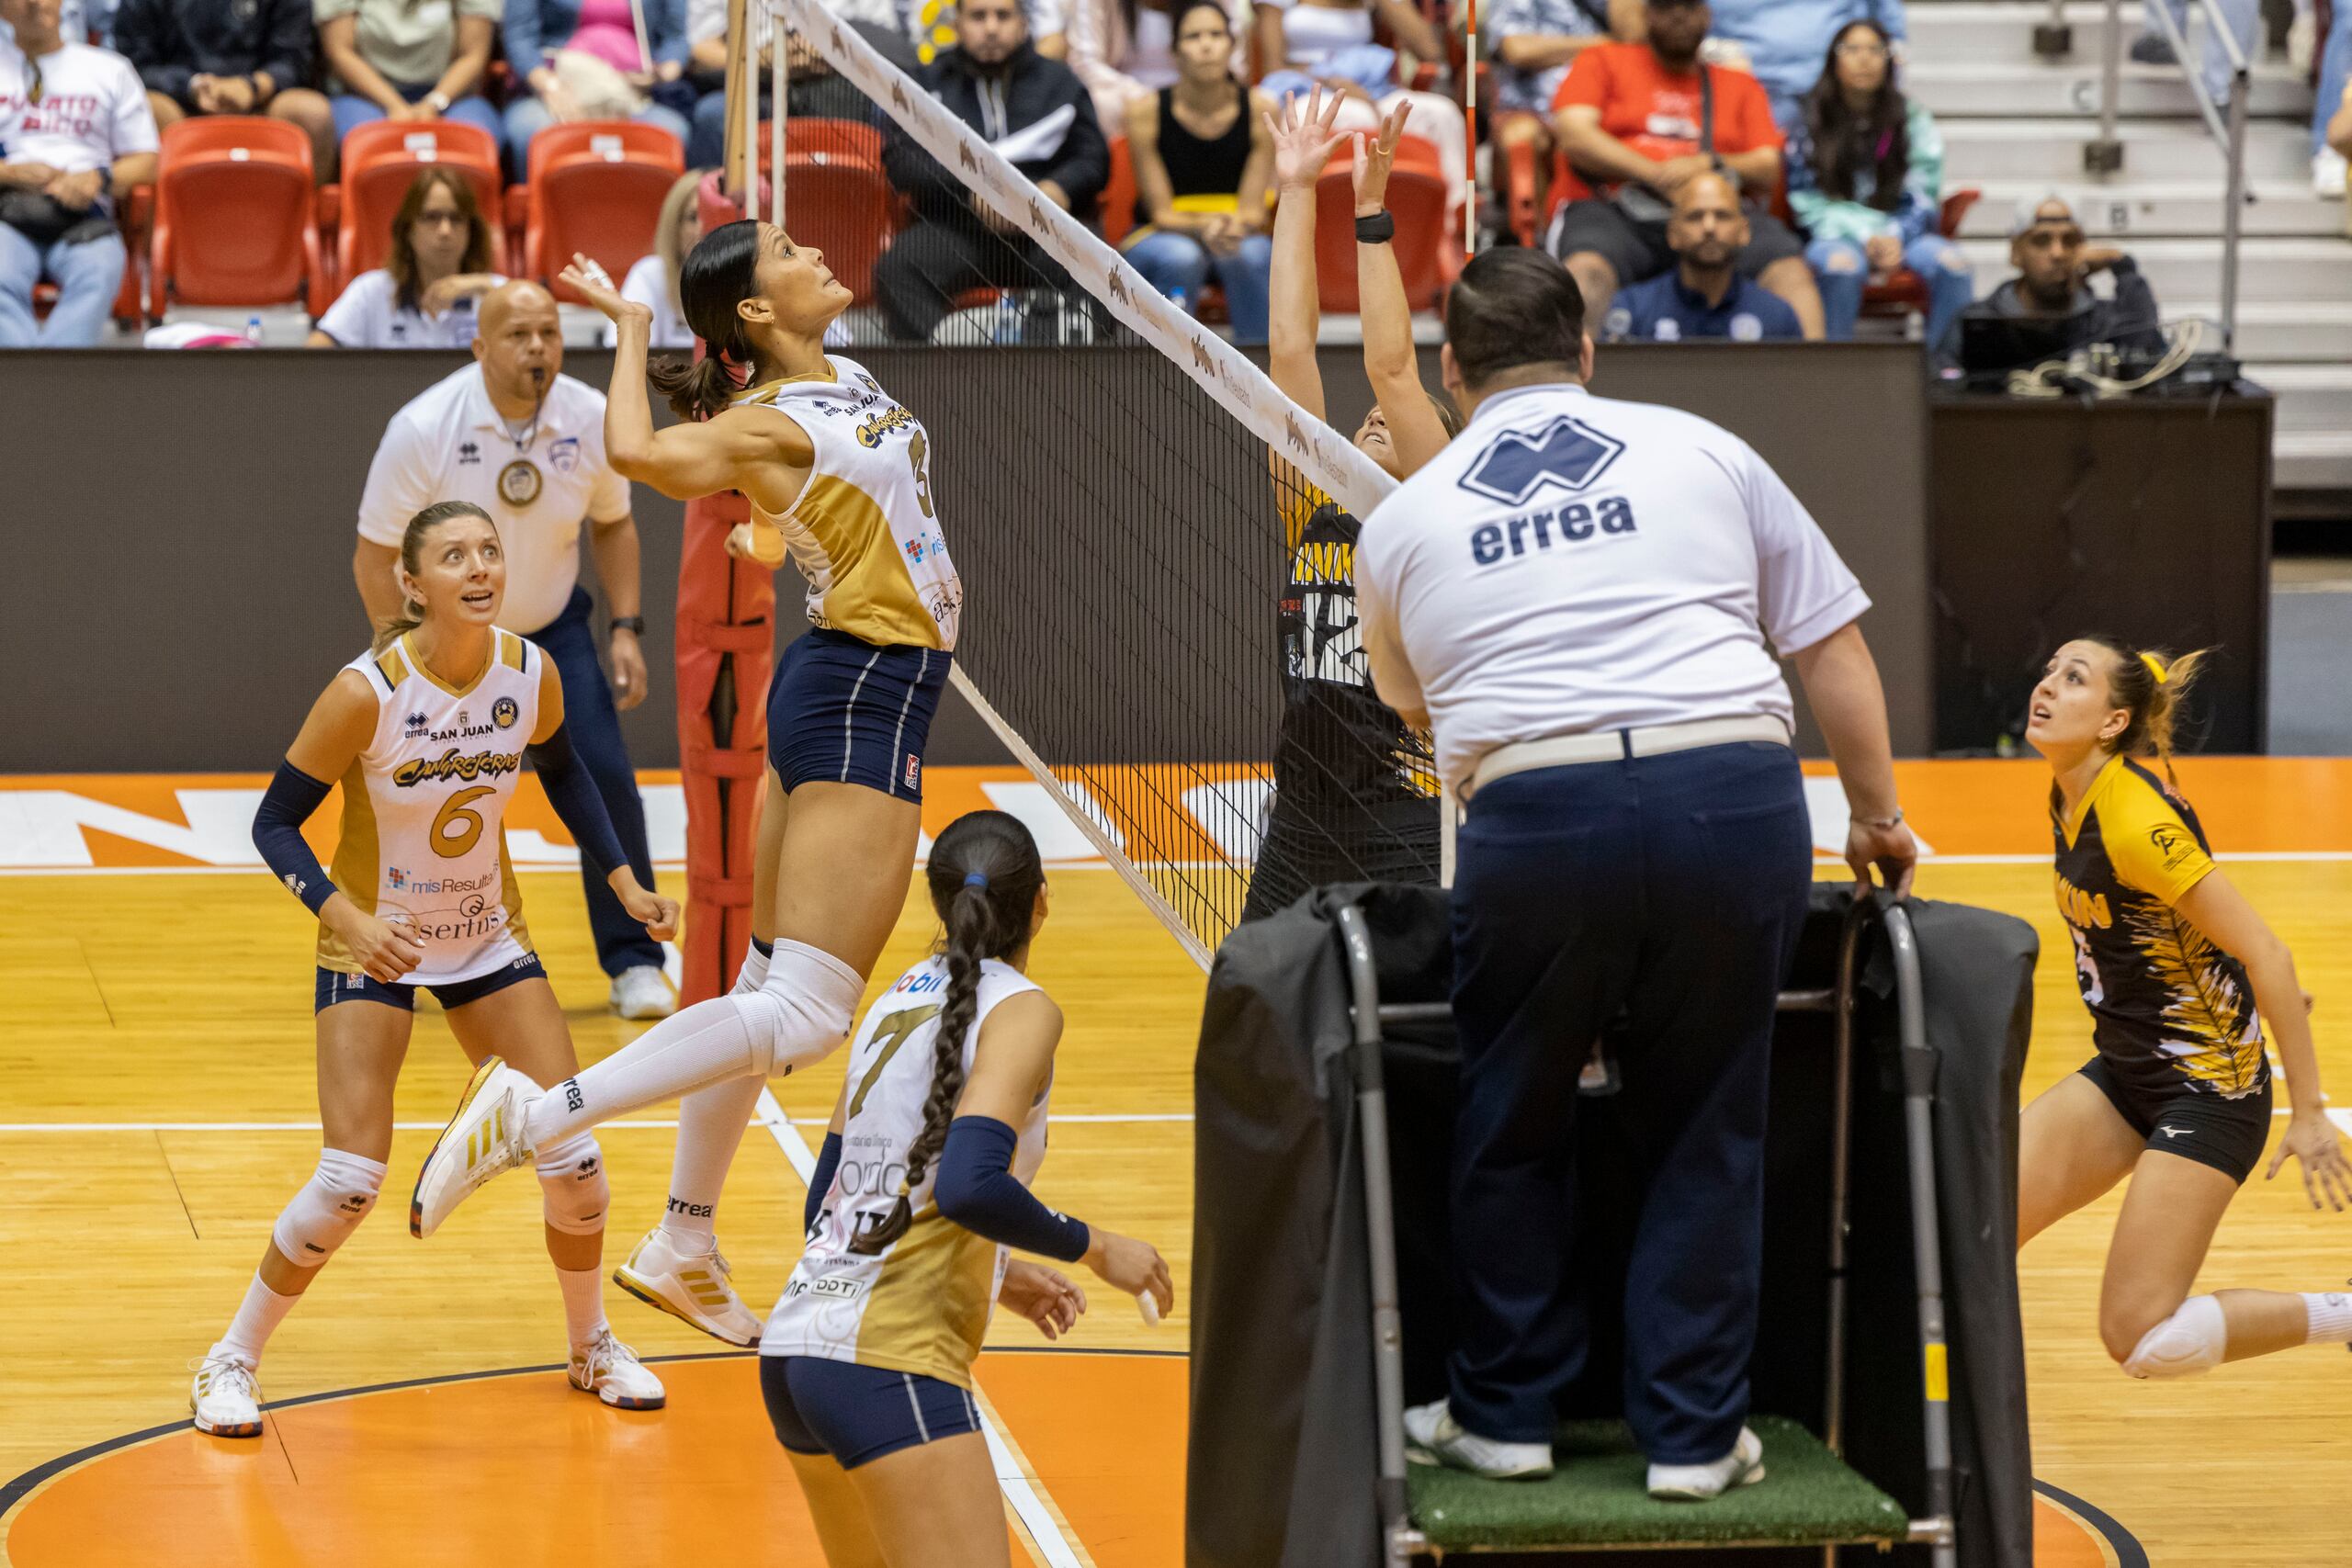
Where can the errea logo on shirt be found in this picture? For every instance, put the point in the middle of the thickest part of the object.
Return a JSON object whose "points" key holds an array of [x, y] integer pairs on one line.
{"points": [[1566, 453]]}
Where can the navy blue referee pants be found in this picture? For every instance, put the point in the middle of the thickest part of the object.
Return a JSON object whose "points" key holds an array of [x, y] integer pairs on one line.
{"points": [[1671, 888], [595, 726]]}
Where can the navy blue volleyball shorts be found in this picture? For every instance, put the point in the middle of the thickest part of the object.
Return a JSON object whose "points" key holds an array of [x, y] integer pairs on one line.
{"points": [[842, 710], [333, 986], [859, 1414]]}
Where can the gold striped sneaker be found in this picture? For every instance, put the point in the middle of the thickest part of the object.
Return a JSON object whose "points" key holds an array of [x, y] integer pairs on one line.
{"points": [[484, 1138], [693, 1286], [224, 1400], [610, 1370]]}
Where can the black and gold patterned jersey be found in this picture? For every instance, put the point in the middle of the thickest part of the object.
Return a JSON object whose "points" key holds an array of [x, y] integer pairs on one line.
{"points": [[2168, 1009]]}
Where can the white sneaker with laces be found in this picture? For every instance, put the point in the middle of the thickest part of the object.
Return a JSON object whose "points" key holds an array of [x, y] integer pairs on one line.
{"points": [[1743, 1466], [224, 1399], [1433, 1436], [484, 1138], [2329, 170], [693, 1286], [643, 992], [610, 1370]]}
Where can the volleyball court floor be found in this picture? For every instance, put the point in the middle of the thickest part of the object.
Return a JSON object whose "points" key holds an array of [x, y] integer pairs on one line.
{"points": [[156, 1107]]}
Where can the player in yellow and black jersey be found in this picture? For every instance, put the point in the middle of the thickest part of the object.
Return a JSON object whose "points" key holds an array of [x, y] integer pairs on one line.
{"points": [[1355, 787], [2179, 974]]}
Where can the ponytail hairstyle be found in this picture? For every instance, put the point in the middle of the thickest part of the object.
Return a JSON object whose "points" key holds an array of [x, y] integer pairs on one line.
{"points": [[984, 877], [2150, 688], [413, 539], [717, 275]]}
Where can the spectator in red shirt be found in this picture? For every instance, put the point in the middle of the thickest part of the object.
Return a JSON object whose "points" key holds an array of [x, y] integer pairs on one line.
{"points": [[1638, 119]]}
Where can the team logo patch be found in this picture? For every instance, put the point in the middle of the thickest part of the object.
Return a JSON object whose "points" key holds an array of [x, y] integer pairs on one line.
{"points": [[914, 770], [469, 452], [519, 482], [1746, 327], [504, 713], [415, 725], [2173, 843], [395, 878], [565, 454], [1520, 463]]}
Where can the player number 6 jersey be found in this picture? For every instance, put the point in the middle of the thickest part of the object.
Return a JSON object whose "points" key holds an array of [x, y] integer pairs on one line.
{"points": [[424, 839]]}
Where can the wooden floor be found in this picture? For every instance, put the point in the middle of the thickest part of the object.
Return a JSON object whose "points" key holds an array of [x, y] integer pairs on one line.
{"points": [[156, 1109]]}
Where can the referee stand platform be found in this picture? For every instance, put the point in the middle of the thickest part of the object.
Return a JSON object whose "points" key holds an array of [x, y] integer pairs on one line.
{"points": [[1893, 1415]]}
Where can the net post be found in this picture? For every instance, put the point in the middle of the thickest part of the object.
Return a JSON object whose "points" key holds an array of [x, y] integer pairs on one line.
{"points": [[733, 176], [1469, 86], [777, 80]]}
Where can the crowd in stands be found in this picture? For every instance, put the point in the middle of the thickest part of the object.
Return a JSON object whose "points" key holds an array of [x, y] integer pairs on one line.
{"points": [[1748, 170]]}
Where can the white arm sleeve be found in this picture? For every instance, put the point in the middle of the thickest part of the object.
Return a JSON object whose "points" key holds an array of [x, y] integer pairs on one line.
{"points": [[1803, 590]]}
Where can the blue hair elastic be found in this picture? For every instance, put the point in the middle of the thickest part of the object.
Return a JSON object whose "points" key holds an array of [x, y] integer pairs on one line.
{"points": [[978, 879]]}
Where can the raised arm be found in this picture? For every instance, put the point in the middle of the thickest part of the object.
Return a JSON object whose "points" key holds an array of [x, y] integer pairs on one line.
{"points": [[1304, 142], [738, 450], [1389, 360]]}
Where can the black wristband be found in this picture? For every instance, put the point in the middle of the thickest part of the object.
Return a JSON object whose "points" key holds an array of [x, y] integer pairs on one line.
{"points": [[630, 622], [1376, 230]]}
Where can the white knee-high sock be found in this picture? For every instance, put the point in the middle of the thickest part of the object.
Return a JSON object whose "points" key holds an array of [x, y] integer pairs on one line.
{"points": [[798, 1017], [256, 1320], [2328, 1318], [584, 1303], [711, 1123]]}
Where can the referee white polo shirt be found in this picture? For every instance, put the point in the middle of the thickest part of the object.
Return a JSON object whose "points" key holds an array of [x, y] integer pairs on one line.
{"points": [[449, 443], [1572, 564]]}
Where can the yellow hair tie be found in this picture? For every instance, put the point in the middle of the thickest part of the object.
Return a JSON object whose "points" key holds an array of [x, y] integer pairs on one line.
{"points": [[2155, 667]]}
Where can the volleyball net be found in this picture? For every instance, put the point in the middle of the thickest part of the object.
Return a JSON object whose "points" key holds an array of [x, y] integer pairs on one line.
{"points": [[1125, 491]]}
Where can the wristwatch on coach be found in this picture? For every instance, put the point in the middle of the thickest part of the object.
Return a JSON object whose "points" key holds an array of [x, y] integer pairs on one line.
{"points": [[629, 624], [1883, 823]]}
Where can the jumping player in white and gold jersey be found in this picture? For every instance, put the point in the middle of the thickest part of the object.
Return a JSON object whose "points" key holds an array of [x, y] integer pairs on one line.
{"points": [[867, 1363], [838, 476], [426, 732]]}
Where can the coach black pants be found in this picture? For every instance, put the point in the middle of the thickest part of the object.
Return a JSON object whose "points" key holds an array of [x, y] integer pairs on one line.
{"points": [[1671, 888], [927, 265]]}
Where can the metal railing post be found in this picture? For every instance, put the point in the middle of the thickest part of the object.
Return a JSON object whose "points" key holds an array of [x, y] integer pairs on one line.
{"points": [[1918, 1118], [2105, 156], [2055, 40]]}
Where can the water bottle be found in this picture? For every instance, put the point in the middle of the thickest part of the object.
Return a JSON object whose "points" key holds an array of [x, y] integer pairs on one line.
{"points": [[1182, 297], [252, 332], [1008, 320]]}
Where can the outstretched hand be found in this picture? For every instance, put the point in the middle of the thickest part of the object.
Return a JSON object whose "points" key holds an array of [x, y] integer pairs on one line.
{"points": [[1304, 139], [2312, 1139], [593, 284], [1374, 157]]}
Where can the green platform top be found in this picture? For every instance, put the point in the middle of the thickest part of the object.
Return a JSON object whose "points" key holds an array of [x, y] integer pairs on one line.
{"points": [[1595, 1498]]}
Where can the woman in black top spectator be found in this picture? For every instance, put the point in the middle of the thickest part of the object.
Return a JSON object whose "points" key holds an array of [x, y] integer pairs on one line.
{"points": [[1356, 791], [228, 57], [1201, 151]]}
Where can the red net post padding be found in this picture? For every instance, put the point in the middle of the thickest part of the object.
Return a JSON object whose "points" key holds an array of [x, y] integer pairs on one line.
{"points": [[726, 642]]}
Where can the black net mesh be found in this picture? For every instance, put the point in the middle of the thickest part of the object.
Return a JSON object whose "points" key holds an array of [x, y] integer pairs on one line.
{"points": [[1156, 610]]}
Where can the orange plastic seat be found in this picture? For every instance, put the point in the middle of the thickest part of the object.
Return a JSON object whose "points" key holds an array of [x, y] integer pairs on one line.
{"points": [[836, 198], [236, 215], [596, 189], [381, 161], [1416, 199], [1119, 196]]}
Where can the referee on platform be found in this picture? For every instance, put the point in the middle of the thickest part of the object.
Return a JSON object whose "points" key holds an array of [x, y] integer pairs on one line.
{"points": [[513, 434], [1588, 599]]}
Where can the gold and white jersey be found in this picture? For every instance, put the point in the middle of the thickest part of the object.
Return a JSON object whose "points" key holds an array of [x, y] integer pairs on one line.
{"points": [[864, 530], [423, 841], [922, 1305]]}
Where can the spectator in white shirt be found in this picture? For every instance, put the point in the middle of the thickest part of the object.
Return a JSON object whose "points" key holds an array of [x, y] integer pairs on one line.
{"points": [[72, 20], [653, 281], [442, 259], [76, 135]]}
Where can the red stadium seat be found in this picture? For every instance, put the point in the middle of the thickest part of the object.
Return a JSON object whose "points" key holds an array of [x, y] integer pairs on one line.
{"points": [[836, 198], [236, 215], [1904, 290], [1119, 196], [380, 161], [596, 189], [1417, 192]]}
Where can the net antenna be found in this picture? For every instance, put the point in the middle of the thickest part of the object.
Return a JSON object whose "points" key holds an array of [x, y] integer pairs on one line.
{"points": [[1069, 700]]}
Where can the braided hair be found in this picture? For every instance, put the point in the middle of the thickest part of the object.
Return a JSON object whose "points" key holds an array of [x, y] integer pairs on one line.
{"points": [[984, 876], [717, 275]]}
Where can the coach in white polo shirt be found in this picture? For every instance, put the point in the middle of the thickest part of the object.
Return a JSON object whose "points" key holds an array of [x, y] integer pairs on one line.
{"points": [[513, 434], [1589, 601]]}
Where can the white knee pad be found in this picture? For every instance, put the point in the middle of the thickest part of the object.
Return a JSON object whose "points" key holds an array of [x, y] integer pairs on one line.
{"points": [[2189, 1342], [328, 1208], [752, 975], [803, 1010], [572, 1180]]}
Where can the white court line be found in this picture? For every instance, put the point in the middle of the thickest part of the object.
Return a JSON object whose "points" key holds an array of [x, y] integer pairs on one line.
{"points": [[1036, 1518], [1108, 1119]]}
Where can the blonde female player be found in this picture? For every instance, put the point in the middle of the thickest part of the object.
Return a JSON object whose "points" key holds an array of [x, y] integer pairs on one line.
{"points": [[837, 474], [867, 1363], [426, 732], [2178, 972]]}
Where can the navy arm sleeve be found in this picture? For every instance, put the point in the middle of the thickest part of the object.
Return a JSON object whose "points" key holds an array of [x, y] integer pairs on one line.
{"points": [[292, 798], [829, 1160], [977, 1191], [576, 804]]}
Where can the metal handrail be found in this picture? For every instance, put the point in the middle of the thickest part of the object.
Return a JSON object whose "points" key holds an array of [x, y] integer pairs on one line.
{"points": [[2226, 125]]}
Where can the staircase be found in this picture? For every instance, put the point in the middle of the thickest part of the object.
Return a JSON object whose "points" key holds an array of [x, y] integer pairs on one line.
{"points": [[2014, 125]]}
